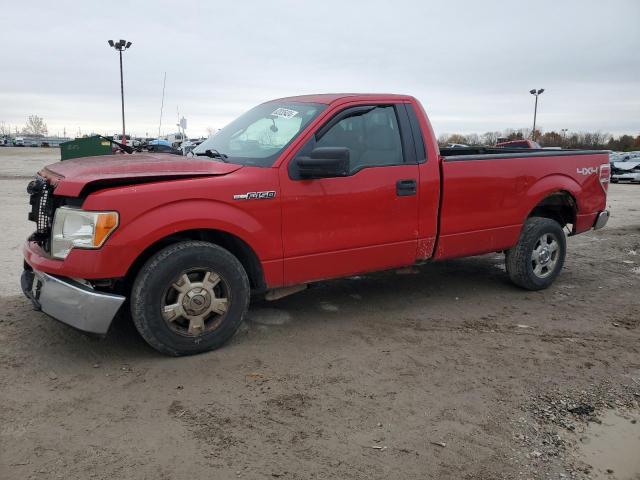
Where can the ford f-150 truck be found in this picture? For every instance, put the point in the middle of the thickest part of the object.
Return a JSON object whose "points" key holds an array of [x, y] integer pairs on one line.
{"points": [[294, 191]]}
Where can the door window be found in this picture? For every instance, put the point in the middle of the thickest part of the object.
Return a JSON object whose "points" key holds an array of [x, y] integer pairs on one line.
{"points": [[373, 138]]}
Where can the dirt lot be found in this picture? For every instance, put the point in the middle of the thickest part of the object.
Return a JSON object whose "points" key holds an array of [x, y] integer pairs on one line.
{"points": [[451, 372]]}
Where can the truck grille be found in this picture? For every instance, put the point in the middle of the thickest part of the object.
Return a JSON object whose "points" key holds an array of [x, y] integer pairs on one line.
{"points": [[42, 209]]}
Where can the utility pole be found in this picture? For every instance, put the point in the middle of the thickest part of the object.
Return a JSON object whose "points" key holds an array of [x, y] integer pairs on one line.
{"points": [[536, 93], [121, 46], [164, 83]]}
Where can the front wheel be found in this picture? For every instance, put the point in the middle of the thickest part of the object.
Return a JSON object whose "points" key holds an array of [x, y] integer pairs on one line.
{"points": [[189, 298], [536, 260]]}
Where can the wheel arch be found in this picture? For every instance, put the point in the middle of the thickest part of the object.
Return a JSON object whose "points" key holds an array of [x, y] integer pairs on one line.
{"points": [[555, 197], [234, 244], [560, 206]]}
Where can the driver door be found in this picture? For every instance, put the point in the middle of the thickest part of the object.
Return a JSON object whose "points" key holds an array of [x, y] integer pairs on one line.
{"points": [[364, 221]]}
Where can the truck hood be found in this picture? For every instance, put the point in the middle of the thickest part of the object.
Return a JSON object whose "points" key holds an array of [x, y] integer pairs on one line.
{"points": [[71, 177]]}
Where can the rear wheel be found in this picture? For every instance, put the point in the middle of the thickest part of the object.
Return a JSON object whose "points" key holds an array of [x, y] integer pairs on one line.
{"points": [[536, 260], [189, 298]]}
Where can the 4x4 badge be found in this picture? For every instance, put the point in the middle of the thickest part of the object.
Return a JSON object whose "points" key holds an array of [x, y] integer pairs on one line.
{"points": [[255, 195]]}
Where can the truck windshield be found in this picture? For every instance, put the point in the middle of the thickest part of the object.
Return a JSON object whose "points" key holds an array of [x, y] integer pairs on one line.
{"points": [[258, 136]]}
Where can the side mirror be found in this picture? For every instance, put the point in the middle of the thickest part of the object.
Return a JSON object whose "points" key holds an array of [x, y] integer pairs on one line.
{"points": [[324, 162]]}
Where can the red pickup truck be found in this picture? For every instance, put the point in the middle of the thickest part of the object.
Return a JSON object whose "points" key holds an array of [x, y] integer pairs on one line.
{"points": [[294, 191]]}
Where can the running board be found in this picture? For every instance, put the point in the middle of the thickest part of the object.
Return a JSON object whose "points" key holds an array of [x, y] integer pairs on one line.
{"points": [[278, 293]]}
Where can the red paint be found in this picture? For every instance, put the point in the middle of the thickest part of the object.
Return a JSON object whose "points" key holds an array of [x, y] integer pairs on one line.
{"points": [[324, 228], [80, 172]]}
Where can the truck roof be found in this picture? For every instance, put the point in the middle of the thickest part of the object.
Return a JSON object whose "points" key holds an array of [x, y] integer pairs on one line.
{"points": [[328, 98]]}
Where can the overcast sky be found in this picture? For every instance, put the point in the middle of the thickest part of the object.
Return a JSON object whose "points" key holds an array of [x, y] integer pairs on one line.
{"points": [[471, 63]]}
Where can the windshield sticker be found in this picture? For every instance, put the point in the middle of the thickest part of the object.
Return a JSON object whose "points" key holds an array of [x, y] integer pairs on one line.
{"points": [[284, 113]]}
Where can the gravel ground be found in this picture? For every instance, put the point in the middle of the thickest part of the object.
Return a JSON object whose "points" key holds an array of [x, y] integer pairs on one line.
{"points": [[447, 373]]}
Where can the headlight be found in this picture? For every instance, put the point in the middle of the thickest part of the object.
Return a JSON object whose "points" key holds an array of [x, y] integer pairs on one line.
{"points": [[73, 228]]}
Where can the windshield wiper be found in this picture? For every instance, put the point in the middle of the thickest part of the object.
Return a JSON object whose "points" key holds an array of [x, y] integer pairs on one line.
{"points": [[212, 153]]}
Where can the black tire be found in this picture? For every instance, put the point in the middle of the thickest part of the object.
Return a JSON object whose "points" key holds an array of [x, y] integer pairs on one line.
{"points": [[520, 262], [157, 280]]}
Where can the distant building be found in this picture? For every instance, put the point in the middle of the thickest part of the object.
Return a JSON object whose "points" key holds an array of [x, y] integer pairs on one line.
{"points": [[42, 141]]}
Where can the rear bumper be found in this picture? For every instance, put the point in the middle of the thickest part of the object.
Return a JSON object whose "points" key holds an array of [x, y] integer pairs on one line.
{"points": [[601, 220], [70, 302]]}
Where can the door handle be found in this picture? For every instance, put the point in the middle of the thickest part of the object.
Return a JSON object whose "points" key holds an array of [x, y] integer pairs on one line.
{"points": [[406, 187]]}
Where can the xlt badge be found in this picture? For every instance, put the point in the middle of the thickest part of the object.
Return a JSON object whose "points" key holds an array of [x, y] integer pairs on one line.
{"points": [[255, 195]]}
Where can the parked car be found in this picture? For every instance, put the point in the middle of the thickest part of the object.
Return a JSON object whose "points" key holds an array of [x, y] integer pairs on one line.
{"points": [[628, 156], [132, 142], [625, 171], [613, 157], [18, 142], [519, 144], [175, 139], [189, 145], [294, 191], [457, 145], [162, 146]]}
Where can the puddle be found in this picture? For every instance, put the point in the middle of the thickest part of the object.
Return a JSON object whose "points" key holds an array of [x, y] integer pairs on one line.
{"points": [[328, 307], [613, 447], [268, 316]]}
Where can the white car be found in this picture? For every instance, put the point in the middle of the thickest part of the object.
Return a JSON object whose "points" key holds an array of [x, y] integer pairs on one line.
{"points": [[131, 142], [628, 171], [188, 145], [457, 145]]}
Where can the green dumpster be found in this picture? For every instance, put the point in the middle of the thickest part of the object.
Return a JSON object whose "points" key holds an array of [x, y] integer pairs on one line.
{"points": [[85, 147]]}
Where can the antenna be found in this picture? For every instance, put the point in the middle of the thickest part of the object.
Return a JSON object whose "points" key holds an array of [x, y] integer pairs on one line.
{"points": [[164, 83]]}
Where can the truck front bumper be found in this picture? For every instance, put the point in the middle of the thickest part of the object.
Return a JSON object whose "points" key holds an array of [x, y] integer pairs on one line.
{"points": [[71, 302]]}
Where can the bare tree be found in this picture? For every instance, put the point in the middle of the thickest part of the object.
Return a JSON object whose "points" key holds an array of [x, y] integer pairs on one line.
{"points": [[443, 139], [550, 139], [457, 138], [578, 140], [211, 131], [5, 130], [490, 138], [35, 126], [472, 139]]}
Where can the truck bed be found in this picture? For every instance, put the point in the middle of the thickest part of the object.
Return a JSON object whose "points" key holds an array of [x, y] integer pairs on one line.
{"points": [[487, 193], [480, 153]]}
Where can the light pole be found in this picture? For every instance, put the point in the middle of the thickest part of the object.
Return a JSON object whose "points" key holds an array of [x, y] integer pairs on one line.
{"points": [[121, 46], [536, 93]]}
